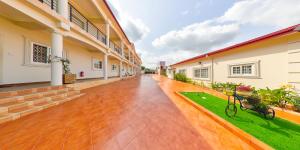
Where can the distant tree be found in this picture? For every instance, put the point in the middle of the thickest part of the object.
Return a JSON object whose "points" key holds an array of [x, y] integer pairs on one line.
{"points": [[143, 67]]}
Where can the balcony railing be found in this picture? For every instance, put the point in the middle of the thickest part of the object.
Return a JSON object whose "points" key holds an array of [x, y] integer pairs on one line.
{"points": [[77, 18], [114, 47], [51, 3]]}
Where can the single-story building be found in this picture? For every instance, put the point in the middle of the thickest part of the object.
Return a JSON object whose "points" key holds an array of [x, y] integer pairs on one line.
{"points": [[267, 61]]}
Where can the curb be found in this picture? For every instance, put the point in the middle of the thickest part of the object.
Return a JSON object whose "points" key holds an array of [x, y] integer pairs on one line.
{"points": [[251, 140]]}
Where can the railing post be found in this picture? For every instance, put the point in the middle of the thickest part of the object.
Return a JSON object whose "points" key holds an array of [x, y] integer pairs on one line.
{"points": [[70, 13], [52, 4]]}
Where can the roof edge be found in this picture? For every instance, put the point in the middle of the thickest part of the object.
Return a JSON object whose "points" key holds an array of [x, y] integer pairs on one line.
{"points": [[290, 29]]}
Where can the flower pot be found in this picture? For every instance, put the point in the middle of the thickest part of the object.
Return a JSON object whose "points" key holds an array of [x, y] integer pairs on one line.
{"points": [[244, 93], [69, 78]]}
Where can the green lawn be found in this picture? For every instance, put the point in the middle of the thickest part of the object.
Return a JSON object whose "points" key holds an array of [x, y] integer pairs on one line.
{"points": [[278, 133]]}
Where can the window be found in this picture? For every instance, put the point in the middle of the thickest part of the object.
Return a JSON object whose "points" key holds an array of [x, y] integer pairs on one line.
{"points": [[236, 70], [181, 71], [197, 73], [97, 64], [250, 69], [114, 67], [204, 73], [40, 53], [201, 72]]}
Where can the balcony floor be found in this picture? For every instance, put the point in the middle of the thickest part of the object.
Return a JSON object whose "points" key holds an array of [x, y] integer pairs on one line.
{"points": [[129, 114]]}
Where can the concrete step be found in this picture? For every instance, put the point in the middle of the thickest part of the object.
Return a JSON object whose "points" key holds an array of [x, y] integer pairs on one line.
{"points": [[5, 118], [21, 112], [14, 105], [29, 91]]}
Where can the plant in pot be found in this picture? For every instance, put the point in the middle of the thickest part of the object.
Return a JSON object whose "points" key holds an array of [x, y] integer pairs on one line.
{"points": [[68, 77]]}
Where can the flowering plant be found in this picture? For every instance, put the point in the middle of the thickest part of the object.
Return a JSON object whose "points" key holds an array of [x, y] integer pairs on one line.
{"points": [[244, 88]]}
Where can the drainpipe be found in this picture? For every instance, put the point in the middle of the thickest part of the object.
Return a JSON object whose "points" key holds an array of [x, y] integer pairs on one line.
{"points": [[212, 70]]}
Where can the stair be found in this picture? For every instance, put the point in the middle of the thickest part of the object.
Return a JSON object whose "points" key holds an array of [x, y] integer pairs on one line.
{"points": [[16, 104]]}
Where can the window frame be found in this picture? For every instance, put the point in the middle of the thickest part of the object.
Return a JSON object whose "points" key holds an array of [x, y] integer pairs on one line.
{"points": [[255, 70], [95, 60], [183, 71], [200, 71], [114, 67], [31, 54]]}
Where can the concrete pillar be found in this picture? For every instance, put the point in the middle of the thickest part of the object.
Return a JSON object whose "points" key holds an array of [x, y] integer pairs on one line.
{"points": [[121, 69], [105, 67], [107, 33], [56, 54], [62, 8]]}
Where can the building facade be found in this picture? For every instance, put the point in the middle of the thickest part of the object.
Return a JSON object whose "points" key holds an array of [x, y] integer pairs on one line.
{"points": [[33, 32], [270, 61]]}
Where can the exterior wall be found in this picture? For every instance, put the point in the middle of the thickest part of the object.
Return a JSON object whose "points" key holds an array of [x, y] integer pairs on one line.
{"points": [[116, 72], [14, 42], [294, 64], [194, 65], [81, 60], [273, 66], [14, 65], [1, 60]]}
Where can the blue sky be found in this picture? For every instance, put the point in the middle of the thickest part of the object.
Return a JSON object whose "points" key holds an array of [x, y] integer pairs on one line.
{"points": [[174, 30]]}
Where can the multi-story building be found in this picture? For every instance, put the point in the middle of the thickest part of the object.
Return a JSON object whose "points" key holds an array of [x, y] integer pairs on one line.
{"points": [[267, 61], [85, 32]]}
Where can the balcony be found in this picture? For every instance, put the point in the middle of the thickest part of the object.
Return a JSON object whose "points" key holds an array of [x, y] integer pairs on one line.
{"points": [[77, 18], [115, 48], [51, 3]]}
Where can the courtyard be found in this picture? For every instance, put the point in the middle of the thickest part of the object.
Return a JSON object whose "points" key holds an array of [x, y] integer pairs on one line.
{"points": [[138, 113]]}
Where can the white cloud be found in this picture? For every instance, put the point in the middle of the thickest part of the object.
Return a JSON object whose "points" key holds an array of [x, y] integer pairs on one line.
{"points": [[278, 13], [134, 28], [222, 30], [198, 36]]}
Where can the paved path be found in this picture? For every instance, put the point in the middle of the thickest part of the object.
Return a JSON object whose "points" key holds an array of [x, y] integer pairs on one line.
{"points": [[131, 114]]}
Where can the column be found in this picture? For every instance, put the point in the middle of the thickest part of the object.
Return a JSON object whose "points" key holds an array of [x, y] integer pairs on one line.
{"points": [[129, 55], [105, 67], [62, 8], [56, 54], [107, 33], [121, 69]]}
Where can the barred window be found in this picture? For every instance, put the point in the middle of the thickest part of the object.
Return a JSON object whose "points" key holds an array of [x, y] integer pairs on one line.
{"points": [[114, 67], [40, 53], [97, 64]]}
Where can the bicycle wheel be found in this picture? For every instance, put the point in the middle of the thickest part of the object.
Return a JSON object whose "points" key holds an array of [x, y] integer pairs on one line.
{"points": [[230, 110], [270, 113]]}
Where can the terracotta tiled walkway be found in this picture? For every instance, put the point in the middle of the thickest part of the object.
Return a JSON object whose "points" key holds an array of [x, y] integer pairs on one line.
{"points": [[131, 114]]}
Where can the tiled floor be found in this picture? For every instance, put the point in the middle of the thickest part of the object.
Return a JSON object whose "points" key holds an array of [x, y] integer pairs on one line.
{"points": [[130, 114]]}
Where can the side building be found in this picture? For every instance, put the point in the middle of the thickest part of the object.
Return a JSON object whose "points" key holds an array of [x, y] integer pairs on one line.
{"points": [[85, 32], [267, 61]]}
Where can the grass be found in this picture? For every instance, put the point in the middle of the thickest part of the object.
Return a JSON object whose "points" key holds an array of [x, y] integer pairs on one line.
{"points": [[278, 133]]}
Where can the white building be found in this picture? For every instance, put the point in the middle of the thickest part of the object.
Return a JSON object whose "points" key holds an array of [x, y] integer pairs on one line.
{"points": [[85, 32], [267, 61]]}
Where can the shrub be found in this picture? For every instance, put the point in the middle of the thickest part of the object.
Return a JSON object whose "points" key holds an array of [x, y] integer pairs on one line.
{"points": [[182, 77]]}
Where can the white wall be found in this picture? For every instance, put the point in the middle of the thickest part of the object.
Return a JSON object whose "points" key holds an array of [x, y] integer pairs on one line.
{"points": [[81, 60], [294, 64], [273, 66], [15, 45], [116, 72]]}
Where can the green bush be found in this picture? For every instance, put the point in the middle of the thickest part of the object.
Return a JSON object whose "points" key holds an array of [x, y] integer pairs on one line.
{"points": [[182, 77]]}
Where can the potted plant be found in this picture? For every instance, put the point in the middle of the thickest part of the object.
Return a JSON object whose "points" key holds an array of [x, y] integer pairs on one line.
{"points": [[68, 77], [244, 90]]}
